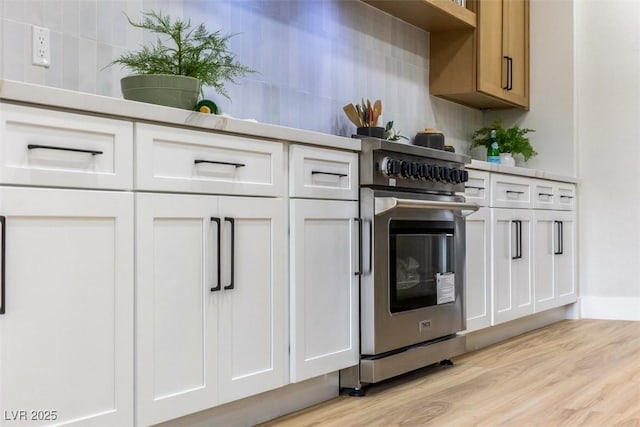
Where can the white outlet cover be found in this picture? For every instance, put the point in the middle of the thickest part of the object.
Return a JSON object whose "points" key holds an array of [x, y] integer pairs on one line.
{"points": [[40, 46]]}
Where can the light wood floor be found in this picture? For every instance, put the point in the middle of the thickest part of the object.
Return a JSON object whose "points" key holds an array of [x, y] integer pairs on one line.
{"points": [[572, 373]]}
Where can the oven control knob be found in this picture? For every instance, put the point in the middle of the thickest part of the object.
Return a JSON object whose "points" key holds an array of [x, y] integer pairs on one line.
{"points": [[434, 172], [390, 167], [405, 169], [464, 176], [415, 170], [443, 173], [455, 176], [423, 171]]}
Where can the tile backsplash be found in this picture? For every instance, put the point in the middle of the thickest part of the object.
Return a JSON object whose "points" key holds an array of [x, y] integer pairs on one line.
{"points": [[312, 58]]}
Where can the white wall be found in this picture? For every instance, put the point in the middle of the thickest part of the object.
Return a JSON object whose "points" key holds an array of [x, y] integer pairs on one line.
{"points": [[608, 106], [552, 80], [313, 57]]}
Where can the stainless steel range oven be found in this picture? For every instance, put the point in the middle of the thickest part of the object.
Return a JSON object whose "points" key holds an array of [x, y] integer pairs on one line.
{"points": [[413, 245]]}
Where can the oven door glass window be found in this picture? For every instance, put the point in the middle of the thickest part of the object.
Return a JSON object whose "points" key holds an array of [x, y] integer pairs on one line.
{"points": [[420, 252]]}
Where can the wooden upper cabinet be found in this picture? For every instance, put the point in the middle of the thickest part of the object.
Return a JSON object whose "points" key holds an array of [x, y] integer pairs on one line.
{"points": [[487, 67], [430, 15]]}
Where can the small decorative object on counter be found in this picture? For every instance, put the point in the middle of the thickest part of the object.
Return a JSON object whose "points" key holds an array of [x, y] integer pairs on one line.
{"points": [[512, 140], [431, 138], [207, 106], [390, 134], [493, 152], [365, 117]]}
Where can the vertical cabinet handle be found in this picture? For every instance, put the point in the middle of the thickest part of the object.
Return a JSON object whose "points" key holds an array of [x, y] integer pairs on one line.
{"points": [[359, 222], [506, 86], [3, 305], [559, 238], [233, 250], [518, 225], [217, 286], [510, 86]]}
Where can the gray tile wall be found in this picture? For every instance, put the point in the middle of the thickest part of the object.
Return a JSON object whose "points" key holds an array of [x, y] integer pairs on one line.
{"points": [[313, 57]]}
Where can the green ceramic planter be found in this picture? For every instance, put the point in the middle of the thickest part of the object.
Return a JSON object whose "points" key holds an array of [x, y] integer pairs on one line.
{"points": [[162, 89]]}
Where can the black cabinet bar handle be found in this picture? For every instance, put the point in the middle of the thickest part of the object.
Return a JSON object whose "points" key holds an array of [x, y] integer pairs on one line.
{"points": [[518, 225], [559, 237], [510, 87], [545, 194], [340, 175], [75, 150], [473, 187], [233, 250], [359, 221], [237, 165], [217, 286], [3, 305], [566, 197], [506, 86], [514, 192]]}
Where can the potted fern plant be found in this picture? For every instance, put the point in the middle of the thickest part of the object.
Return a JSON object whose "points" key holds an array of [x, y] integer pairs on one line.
{"points": [[172, 71], [511, 140]]}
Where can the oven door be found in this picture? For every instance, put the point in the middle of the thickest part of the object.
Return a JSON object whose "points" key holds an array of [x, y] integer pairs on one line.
{"points": [[413, 290]]}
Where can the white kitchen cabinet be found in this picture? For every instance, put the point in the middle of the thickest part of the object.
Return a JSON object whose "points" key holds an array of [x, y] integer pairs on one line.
{"points": [[555, 258], [66, 333], [324, 287], [210, 301], [512, 261], [478, 270]]}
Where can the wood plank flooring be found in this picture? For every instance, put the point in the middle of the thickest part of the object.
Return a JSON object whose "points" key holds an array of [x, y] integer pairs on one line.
{"points": [[572, 373]]}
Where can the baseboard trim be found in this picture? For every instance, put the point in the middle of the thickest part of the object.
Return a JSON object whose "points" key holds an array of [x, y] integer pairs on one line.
{"points": [[609, 308], [495, 334]]}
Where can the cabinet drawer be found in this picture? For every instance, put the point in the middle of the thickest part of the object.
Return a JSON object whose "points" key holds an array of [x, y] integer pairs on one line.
{"points": [[566, 200], [510, 191], [321, 173], [170, 159], [545, 194], [59, 149], [478, 188]]}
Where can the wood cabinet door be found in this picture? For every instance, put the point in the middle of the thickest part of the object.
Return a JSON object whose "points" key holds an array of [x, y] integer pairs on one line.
{"points": [[66, 334], [176, 311], [478, 269], [513, 292], [324, 287], [252, 319], [515, 43], [492, 67]]}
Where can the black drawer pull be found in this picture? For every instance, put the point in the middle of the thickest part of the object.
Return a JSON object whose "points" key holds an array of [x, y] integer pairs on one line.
{"points": [[75, 150], [473, 187], [566, 197], [514, 192], [238, 165], [340, 175], [545, 194]]}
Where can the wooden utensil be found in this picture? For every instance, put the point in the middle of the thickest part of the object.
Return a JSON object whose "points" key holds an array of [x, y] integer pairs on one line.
{"points": [[377, 109], [352, 113]]}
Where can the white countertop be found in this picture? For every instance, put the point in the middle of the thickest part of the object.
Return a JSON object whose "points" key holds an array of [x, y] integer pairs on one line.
{"points": [[514, 170], [115, 107]]}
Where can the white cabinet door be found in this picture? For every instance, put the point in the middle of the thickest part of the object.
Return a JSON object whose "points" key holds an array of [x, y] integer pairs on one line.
{"points": [[512, 284], [554, 246], [252, 321], [66, 334], [478, 269], [176, 317], [324, 287]]}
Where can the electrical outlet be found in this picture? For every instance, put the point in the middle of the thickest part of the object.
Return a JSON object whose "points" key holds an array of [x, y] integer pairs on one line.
{"points": [[41, 46]]}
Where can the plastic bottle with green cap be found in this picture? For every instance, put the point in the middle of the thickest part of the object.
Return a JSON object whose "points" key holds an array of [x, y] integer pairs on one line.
{"points": [[493, 151]]}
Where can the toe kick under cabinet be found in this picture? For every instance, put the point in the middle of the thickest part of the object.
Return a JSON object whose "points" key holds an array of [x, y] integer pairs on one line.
{"points": [[521, 247]]}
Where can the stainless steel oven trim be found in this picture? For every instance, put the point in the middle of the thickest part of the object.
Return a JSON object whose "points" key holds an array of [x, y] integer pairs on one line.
{"points": [[384, 204]]}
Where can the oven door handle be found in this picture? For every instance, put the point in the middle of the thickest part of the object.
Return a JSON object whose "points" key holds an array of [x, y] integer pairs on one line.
{"points": [[385, 204]]}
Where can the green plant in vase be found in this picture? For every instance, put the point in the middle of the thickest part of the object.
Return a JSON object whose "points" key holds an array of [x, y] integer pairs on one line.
{"points": [[182, 60], [510, 140]]}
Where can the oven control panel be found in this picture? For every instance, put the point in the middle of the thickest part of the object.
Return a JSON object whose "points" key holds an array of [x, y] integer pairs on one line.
{"points": [[404, 169]]}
